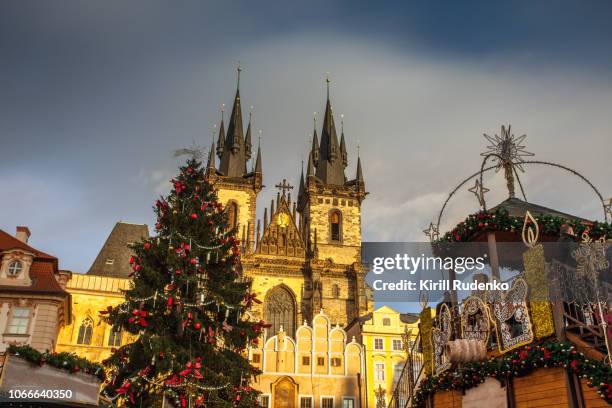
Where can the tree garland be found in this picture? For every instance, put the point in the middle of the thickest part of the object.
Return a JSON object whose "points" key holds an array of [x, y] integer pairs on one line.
{"points": [[500, 220], [518, 363], [65, 361]]}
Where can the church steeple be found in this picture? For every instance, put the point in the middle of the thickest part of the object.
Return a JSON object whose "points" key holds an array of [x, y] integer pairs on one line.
{"points": [[247, 139], [330, 168], [343, 154], [234, 157], [221, 140], [258, 164], [315, 141]]}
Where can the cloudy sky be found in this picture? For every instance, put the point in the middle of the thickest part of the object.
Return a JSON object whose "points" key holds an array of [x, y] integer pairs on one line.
{"points": [[94, 97]]}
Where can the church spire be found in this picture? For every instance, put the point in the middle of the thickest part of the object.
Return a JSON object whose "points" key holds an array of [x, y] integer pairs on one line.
{"points": [[247, 139], [233, 159], [258, 164], [359, 176], [221, 140], [211, 158], [329, 167], [315, 141], [343, 154]]}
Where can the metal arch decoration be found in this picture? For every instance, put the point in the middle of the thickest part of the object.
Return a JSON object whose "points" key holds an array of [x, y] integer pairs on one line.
{"points": [[475, 320], [512, 317], [577, 174], [441, 334], [607, 208], [531, 231]]}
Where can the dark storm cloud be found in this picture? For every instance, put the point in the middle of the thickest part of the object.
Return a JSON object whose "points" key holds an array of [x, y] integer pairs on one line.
{"points": [[94, 97]]}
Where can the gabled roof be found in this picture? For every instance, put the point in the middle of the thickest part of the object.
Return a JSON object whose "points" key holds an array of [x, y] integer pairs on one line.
{"points": [[517, 208], [116, 248], [42, 271]]}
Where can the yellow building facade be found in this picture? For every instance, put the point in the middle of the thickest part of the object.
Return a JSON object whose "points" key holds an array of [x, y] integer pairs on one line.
{"points": [[103, 285], [87, 335], [320, 367], [382, 335]]}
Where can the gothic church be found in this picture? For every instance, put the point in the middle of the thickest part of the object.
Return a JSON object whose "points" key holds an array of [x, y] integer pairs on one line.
{"points": [[305, 256]]}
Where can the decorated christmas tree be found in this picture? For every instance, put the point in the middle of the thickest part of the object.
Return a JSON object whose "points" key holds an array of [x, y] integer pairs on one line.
{"points": [[187, 305]]}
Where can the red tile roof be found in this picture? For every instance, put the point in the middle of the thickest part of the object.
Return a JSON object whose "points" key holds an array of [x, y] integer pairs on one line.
{"points": [[42, 272]]}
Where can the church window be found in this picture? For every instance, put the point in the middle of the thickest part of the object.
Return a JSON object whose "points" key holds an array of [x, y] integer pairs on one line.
{"points": [[20, 318], [280, 311], [232, 215], [335, 291], [336, 362], [327, 402], [321, 361], [386, 321], [14, 268], [85, 331], [306, 360], [114, 339], [335, 225], [256, 358]]}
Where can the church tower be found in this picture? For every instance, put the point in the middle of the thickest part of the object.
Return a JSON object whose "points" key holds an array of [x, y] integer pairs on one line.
{"points": [[305, 255], [237, 186], [329, 205]]}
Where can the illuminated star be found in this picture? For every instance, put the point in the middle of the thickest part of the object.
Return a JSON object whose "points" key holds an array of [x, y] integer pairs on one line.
{"points": [[507, 148], [432, 232], [479, 191]]}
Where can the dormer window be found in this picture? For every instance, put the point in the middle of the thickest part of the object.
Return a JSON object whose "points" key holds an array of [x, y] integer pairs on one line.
{"points": [[110, 261], [15, 268]]}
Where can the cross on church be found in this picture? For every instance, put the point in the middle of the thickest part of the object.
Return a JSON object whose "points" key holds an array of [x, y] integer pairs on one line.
{"points": [[284, 186]]}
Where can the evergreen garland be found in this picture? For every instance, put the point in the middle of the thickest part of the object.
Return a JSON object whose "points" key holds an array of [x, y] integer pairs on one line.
{"points": [[64, 360], [500, 220], [518, 363]]}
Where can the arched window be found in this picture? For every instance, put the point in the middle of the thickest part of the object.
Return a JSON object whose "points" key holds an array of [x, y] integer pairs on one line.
{"points": [[232, 215], [114, 339], [85, 331], [280, 311], [335, 225]]}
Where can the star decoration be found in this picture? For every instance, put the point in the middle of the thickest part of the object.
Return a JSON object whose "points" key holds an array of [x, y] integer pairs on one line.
{"points": [[508, 149], [479, 191], [432, 232]]}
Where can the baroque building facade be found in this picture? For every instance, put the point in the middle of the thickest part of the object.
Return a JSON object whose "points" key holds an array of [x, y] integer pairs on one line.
{"points": [[304, 261], [34, 302]]}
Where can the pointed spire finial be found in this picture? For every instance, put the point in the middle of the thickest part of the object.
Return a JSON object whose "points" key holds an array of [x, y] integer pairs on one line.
{"points": [[238, 71], [327, 80], [342, 122]]}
